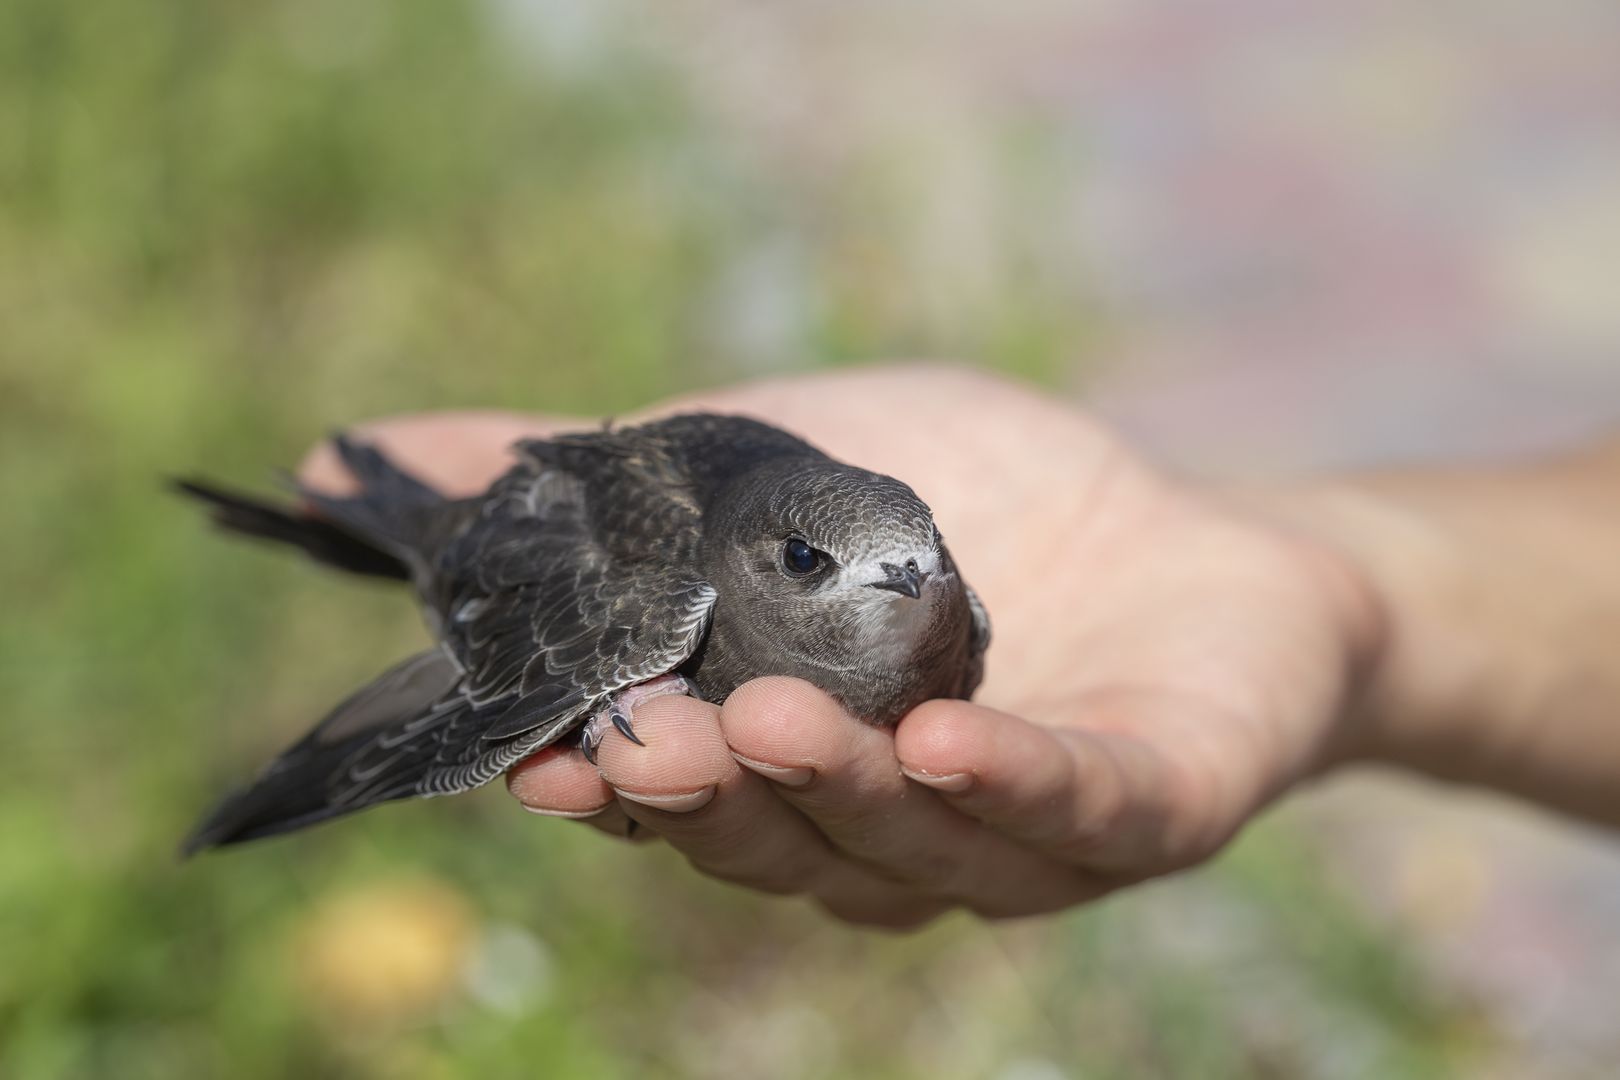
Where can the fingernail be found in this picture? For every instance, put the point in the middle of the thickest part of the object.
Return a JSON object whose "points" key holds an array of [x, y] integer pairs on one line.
{"points": [[786, 775], [951, 783], [546, 811], [680, 803]]}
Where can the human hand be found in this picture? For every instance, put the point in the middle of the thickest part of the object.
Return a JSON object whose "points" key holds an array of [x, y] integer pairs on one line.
{"points": [[1165, 662]]}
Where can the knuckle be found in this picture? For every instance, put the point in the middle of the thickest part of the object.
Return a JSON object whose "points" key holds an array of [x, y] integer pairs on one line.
{"points": [[935, 873], [1058, 892], [945, 871], [874, 914], [1200, 812], [850, 824], [701, 834], [777, 880], [612, 822], [1097, 817], [733, 849], [1003, 907]]}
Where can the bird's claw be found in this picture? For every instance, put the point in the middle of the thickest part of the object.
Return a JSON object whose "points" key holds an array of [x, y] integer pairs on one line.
{"points": [[621, 720], [616, 714]]}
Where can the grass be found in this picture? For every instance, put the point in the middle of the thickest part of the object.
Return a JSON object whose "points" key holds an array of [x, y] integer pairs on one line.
{"points": [[226, 229]]}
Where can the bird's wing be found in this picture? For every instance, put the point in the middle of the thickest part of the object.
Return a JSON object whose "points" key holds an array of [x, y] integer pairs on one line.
{"points": [[978, 632], [532, 661], [544, 623], [587, 585], [539, 624], [546, 619], [979, 639]]}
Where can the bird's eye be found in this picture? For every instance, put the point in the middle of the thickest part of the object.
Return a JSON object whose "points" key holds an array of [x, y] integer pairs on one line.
{"points": [[799, 558]]}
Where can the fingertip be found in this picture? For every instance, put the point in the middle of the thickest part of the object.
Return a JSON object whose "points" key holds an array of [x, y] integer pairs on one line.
{"points": [[682, 749], [558, 781], [783, 721], [883, 914], [947, 738]]}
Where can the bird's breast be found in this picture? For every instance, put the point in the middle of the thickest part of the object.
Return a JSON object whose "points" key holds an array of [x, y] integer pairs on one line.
{"points": [[880, 656]]}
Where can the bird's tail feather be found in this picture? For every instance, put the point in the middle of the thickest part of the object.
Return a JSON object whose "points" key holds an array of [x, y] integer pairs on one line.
{"points": [[378, 532], [321, 540]]}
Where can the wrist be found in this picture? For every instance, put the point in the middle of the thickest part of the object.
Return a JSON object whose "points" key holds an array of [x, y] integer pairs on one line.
{"points": [[1477, 622], [1406, 704], [1500, 600], [1324, 524]]}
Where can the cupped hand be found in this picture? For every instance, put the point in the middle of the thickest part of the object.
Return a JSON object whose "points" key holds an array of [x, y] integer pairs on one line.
{"points": [[1165, 662]]}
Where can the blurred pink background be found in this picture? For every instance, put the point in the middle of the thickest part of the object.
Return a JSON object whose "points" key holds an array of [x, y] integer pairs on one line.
{"points": [[1333, 231], [1297, 235]]}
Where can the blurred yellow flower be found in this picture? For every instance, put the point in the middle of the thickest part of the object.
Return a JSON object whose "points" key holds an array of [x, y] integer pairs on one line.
{"points": [[384, 951]]}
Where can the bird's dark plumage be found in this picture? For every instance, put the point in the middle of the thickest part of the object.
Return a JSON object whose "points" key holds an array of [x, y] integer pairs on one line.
{"points": [[600, 562]]}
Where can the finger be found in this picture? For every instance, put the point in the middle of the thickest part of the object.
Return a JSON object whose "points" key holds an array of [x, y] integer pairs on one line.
{"points": [[685, 784], [843, 776], [1095, 798], [559, 782], [458, 453]]}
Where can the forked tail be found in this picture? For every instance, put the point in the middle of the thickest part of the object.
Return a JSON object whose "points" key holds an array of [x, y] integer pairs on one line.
{"points": [[379, 532]]}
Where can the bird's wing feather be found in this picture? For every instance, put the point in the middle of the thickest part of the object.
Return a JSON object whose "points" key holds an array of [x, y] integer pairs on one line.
{"points": [[980, 640], [545, 621], [547, 618], [296, 789], [540, 620]]}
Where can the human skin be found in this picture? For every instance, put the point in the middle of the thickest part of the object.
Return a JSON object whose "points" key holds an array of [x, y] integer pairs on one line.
{"points": [[1169, 657]]}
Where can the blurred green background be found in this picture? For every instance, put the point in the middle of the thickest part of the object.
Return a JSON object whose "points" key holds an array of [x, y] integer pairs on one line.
{"points": [[227, 229]]}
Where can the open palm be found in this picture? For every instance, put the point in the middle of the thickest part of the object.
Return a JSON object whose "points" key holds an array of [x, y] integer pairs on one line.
{"points": [[1164, 663]]}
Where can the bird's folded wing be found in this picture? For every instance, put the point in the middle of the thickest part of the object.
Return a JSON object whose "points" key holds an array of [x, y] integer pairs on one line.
{"points": [[540, 622]]}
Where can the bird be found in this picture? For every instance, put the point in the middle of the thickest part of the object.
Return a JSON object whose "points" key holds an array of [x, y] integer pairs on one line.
{"points": [[685, 555]]}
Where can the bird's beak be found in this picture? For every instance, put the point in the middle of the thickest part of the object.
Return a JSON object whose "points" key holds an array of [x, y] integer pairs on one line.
{"points": [[901, 579]]}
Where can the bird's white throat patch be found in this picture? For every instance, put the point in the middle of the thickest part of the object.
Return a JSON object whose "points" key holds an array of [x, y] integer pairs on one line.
{"points": [[887, 625]]}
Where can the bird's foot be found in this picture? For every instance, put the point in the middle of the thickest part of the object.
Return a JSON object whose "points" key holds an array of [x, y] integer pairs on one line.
{"points": [[616, 714]]}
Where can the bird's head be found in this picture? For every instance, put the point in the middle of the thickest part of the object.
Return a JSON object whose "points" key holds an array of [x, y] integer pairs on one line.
{"points": [[849, 557]]}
